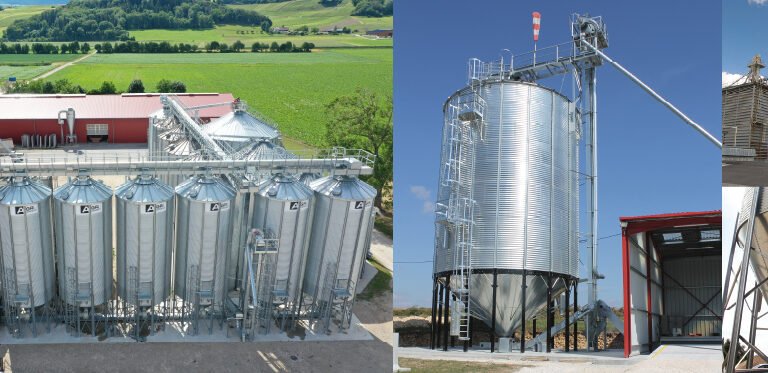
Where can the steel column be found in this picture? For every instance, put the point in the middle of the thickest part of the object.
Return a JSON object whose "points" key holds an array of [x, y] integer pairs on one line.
{"points": [[567, 315], [438, 329], [731, 358], [522, 333], [549, 311], [446, 312], [575, 309], [756, 305], [434, 309]]}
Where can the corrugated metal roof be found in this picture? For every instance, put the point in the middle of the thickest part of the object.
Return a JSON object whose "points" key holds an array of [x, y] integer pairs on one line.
{"points": [[105, 106], [239, 126]]}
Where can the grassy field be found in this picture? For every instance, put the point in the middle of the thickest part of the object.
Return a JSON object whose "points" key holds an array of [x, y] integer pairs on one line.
{"points": [[311, 13], [9, 15], [380, 283], [229, 34], [30, 65], [291, 89]]}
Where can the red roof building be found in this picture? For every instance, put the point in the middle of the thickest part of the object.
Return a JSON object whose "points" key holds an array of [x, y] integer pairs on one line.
{"points": [[124, 118]]}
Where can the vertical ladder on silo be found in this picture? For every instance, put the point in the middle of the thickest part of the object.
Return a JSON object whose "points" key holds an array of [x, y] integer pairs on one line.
{"points": [[12, 319], [265, 265]]}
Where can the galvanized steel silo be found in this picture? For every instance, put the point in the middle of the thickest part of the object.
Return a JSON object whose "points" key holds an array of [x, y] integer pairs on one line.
{"points": [[758, 255], [340, 229], [283, 205], [203, 237], [145, 210], [83, 220], [523, 176], [26, 242], [238, 128]]}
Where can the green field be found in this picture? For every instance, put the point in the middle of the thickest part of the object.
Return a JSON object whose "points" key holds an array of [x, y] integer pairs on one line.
{"points": [[228, 34], [9, 15], [311, 13], [30, 65], [291, 89]]}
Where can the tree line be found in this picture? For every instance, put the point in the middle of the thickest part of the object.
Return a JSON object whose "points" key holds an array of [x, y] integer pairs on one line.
{"points": [[64, 86], [91, 20], [151, 47], [373, 8]]}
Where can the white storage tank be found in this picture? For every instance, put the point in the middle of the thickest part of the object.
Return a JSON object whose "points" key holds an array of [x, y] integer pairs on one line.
{"points": [[283, 206], [203, 237], [145, 210], [340, 230], [26, 241], [83, 220]]}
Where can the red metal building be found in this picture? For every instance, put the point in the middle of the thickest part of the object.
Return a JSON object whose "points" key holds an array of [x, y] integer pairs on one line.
{"points": [[671, 265], [123, 118]]}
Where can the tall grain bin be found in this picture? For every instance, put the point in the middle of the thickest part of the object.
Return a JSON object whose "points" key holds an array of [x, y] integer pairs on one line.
{"points": [[237, 129], [283, 206], [507, 208], [203, 237], [759, 251], [337, 248], [745, 112], [145, 209], [27, 244], [83, 220]]}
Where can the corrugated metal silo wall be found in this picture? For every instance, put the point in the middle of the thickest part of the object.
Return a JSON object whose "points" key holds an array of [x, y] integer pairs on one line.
{"points": [[745, 117], [700, 276]]}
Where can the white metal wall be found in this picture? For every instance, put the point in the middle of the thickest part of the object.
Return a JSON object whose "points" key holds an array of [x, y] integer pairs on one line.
{"points": [[701, 276], [638, 293]]}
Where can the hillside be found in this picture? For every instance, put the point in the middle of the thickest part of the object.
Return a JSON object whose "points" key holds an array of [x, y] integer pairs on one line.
{"points": [[9, 15], [91, 20], [313, 13]]}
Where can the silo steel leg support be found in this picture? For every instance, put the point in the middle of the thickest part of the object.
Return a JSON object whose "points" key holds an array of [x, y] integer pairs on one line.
{"points": [[493, 311], [549, 311], [731, 358], [434, 309], [439, 328], [446, 312], [522, 330], [575, 309], [567, 316]]}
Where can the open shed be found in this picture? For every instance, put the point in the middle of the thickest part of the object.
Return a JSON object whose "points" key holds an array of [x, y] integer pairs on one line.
{"points": [[671, 266]]}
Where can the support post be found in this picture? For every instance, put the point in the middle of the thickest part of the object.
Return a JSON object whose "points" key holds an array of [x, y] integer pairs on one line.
{"points": [[731, 358], [567, 315], [756, 305], [522, 332], [446, 312], [575, 309], [434, 309], [493, 310], [549, 311], [438, 329]]}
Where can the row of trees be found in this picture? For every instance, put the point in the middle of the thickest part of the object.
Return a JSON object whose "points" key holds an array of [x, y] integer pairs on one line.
{"points": [[89, 20], [44, 48], [64, 86], [373, 8]]}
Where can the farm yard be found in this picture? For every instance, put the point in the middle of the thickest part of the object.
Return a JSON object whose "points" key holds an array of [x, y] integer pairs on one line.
{"points": [[290, 89]]}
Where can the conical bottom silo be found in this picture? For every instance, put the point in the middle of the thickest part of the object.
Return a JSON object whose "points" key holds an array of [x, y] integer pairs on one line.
{"points": [[26, 242], [145, 211], [203, 238], [83, 221], [283, 207], [507, 199], [341, 227]]}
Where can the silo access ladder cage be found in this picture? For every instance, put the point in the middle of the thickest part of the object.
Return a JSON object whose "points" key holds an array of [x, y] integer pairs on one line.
{"points": [[16, 297], [465, 126]]}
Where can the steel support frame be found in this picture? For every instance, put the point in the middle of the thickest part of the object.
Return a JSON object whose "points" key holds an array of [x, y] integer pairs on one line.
{"points": [[730, 361]]}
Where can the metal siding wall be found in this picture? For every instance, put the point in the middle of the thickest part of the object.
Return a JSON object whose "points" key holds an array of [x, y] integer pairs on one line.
{"points": [[638, 294], [702, 277]]}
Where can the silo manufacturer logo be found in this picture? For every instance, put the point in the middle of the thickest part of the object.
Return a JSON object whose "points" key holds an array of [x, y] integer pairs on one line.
{"points": [[89, 209], [23, 210], [294, 206], [215, 206], [151, 208], [359, 205], [218, 207]]}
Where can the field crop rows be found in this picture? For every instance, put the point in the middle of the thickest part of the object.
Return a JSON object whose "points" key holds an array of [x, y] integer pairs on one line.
{"points": [[30, 65], [291, 89]]}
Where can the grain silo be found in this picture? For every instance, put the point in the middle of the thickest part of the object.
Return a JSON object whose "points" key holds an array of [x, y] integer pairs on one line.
{"points": [[745, 112], [145, 209], [27, 249], [83, 221], [203, 237], [337, 248], [239, 128], [284, 207], [506, 240]]}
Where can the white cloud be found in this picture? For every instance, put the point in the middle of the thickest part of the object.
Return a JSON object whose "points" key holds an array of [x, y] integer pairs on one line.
{"points": [[757, 2], [730, 78], [421, 192]]}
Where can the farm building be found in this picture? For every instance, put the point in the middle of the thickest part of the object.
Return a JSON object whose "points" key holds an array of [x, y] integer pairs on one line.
{"points": [[385, 33], [671, 266], [745, 112], [98, 118]]}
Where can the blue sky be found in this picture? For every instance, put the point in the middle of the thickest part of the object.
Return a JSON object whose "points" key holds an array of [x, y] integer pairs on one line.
{"points": [[649, 161], [743, 34]]}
